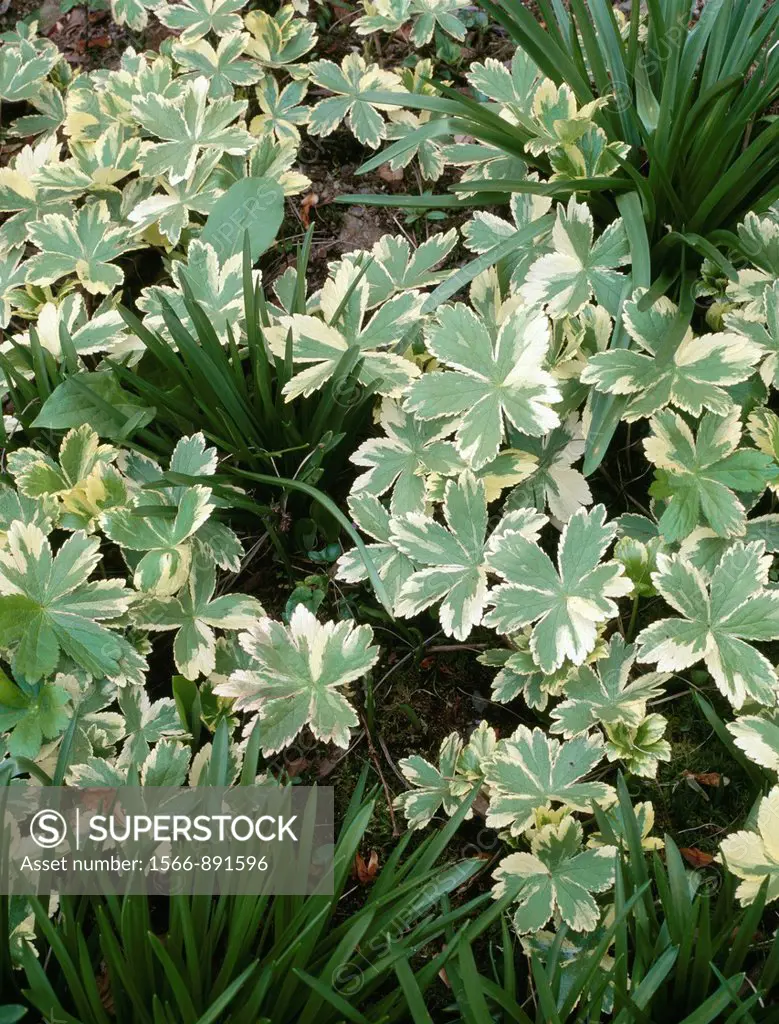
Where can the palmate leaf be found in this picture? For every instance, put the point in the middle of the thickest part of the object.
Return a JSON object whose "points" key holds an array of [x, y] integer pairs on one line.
{"points": [[83, 483], [282, 110], [399, 462], [171, 539], [483, 163], [87, 112], [758, 737], [496, 377], [104, 331], [405, 126], [50, 106], [641, 747], [95, 103], [454, 556], [321, 342], [553, 482], [531, 771], [223, 66], [432, 787], [644, 814], [487, 230], [167, 764], [393, 567], [274, 159], [753, 856], [47, 607], [556, 877], [24, 67], [704, 549], [759, 237], [591, 156], [565, 280], [698, 474], [717, 621], [280, 39], [195, 613], [566, 602], [763, 428], [557, 117], [196, 18], [761, 327], [349, 83], [12, 277], [84, 244], [145, 723], [295, 677], [513, 86], [640, 561], [396, 267], [31, 714], [190, 125], [445, 786], [692, 375], [519, 674], [97, 730], [20, 195], [96, 165], [42, 512], [382, 16], [132, 13], [217, 286], [602, 694], [426, 15], [170, 210], [509, 467]]}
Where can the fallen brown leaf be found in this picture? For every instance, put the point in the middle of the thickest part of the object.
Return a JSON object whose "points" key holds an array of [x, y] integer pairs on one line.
{"points": [[306, 205], [366, 872], [695, 857], [705, 778], [391, 177]]}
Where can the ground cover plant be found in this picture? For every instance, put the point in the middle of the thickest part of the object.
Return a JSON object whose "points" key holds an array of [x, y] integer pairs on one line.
{"points": [[389, 402]]}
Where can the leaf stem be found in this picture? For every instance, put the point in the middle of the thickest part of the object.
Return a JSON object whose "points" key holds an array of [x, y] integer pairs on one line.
{"points": [[633, 618]]}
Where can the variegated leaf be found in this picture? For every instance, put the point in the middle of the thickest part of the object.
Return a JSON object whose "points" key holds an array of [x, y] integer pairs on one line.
{"points": [[753, 856], [566, 602], [717, 621], [48, 607], [556, 877], [496, 377], [85, 244], [530, 770], [194, 614], [296, 676], [454, 556]]}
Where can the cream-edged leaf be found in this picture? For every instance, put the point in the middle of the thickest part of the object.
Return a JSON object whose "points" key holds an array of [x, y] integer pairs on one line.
{"points": [[566, 602], [717, 621], [296, 676], [557, 877], [496, 377], [531, 771]]}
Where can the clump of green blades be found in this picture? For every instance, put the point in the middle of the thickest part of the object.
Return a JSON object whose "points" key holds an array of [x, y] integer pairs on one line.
{"points": [[691, 96]]}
